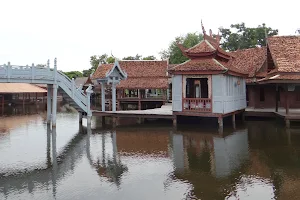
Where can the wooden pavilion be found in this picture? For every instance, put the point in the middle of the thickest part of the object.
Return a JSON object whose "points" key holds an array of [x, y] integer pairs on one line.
{"points": [[145, 87], [208, 84], [20, 93]]}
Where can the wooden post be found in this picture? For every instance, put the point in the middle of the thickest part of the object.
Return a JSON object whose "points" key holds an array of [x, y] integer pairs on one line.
{"points": [[80, 118], [103, 121], [287, 102], [220, 122], [233, 121], [36, 97], [2, 103], [277, 98], [23, 99]]}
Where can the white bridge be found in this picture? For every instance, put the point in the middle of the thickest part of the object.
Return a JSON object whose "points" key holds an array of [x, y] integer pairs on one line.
{"points": [[55, 80]]}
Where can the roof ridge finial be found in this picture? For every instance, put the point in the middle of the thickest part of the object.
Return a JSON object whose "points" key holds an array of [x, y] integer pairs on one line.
{"points": [[203, 29]]}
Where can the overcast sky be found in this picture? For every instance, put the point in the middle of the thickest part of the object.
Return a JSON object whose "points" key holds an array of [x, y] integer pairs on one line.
{"points": [[32, 31]]}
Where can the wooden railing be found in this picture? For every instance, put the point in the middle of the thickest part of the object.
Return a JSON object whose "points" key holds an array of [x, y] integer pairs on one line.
{"points": [[197, 104]]}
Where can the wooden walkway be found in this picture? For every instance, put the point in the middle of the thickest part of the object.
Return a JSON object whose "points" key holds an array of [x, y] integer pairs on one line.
{"points": [[165, 112]]}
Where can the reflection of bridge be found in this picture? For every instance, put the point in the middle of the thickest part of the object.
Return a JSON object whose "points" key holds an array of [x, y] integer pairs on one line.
{"points": [[55, 170], [58, 166]]}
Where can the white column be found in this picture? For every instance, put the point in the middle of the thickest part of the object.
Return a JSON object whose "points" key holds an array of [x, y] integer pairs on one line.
{"points": [[54, 99], [114, 95], [49, 103], [103, 96], [54, 105]]}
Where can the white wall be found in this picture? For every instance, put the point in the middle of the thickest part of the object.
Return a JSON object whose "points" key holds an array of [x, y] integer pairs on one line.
{"points": [[227, 95], [177, 93]]}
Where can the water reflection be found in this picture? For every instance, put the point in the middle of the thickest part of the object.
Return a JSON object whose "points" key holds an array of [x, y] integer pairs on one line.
{"points": [[260, 160]]}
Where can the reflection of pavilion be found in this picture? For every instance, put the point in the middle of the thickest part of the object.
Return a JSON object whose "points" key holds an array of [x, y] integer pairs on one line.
{"points": [[209, 161], [110, 167]]}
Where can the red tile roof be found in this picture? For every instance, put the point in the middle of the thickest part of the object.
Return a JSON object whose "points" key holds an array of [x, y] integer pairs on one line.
{"points": [[249, 60], [285, 51], [203, 46], [144, 83], [207, 64], [140, 74], [102, 70]]}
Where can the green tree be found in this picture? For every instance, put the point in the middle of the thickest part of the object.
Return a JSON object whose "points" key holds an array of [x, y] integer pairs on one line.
{"points": [[149, 58], [174, 54], [238, 36], [136, 57], [73, 74], [95, 61]]}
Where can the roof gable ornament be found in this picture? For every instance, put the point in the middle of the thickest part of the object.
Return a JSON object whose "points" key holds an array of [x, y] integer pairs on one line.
{"points": [[116, 71], [203, 29]]}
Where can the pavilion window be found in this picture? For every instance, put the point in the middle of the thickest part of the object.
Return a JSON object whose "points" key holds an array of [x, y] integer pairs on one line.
{"points": [[261, 94]]}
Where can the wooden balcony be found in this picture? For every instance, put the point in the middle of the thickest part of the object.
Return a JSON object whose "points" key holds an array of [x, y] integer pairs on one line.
{"points": [[197, 105]]}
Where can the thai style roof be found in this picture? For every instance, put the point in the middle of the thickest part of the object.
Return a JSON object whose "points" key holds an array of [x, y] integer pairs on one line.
{"points": [[140, 74], [6, 88], [250, 60], [207, 57], [285, 52], [283, 59]]}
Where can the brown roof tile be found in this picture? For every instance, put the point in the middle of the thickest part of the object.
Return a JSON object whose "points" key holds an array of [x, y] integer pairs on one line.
{"points": [[249, 60], [140, 74], [203, 46], [285, 51], [144, 83], [102, 70], [207, 64]]}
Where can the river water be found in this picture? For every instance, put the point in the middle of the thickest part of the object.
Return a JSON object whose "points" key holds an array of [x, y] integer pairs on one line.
{"points": [[257, 160]]}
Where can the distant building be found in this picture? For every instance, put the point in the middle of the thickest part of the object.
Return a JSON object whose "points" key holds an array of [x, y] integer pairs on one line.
{"points": [[145, 87]]}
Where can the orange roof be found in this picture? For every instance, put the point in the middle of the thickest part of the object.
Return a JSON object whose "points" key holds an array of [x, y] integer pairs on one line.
{"points": [[249, 60], [285, 51], [140, 74], [20, 88]]}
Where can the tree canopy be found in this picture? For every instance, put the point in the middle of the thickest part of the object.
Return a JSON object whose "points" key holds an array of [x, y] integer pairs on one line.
{"points": [[95, 61], [174, 54], [139, 57], [238, 36], [73, 74]]}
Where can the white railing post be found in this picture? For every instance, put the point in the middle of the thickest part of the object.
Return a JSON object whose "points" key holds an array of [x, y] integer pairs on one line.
{"points": [[32, 72], [55, 71], [8, 72], [73, 88], [89, 91], [48, 65]]}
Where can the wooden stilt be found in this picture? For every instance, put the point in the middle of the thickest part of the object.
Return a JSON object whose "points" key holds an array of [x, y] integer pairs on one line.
{"points": [[23, 99], [2, 102], [287, 101], [36, 97], [220, 122], [277, 98], [233, 121], [80, 117], [103, 121], [140, 105]]}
